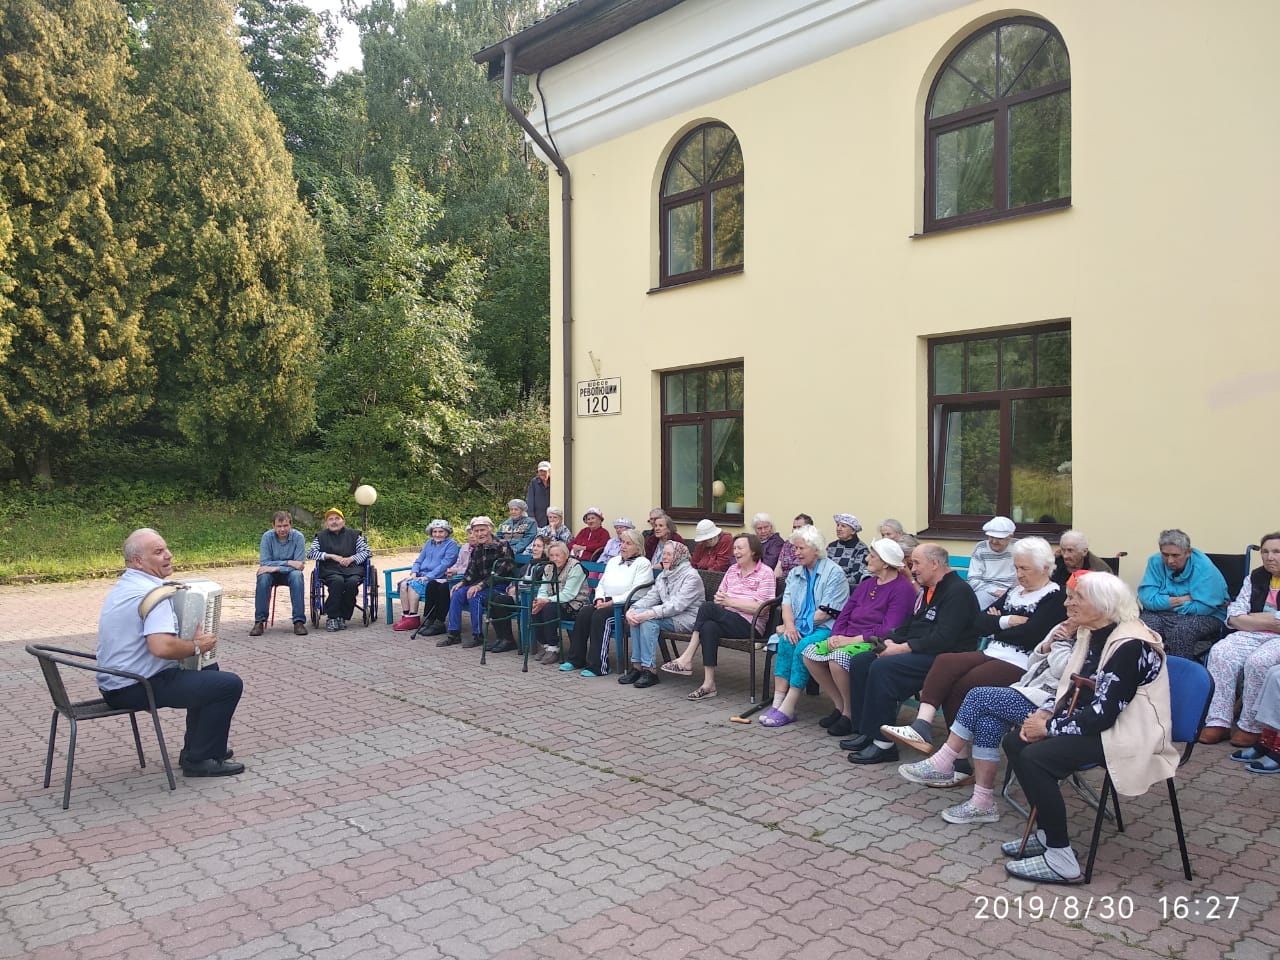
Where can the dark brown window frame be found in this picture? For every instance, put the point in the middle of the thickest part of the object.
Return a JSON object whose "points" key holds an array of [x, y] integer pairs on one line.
{"points": [[705, 193], [998, 111], [940, 405], [705, 418]]}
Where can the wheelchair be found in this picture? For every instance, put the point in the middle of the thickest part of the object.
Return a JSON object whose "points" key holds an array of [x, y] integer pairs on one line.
{"points": [[366, 599]]}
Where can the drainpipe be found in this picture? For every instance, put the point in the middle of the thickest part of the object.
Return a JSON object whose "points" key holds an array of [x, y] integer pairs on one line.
{"points": [[566, 268]]}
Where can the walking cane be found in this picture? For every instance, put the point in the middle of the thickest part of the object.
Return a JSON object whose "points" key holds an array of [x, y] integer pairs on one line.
{"points": [[1080, 683]]}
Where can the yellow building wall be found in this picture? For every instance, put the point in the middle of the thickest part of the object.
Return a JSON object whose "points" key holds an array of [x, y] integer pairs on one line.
{"points": [[1163, 265]]}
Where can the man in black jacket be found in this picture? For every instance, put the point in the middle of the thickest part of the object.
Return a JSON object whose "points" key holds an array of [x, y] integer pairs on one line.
{"points": [[342, 553], [943, 622], [488, 557]]}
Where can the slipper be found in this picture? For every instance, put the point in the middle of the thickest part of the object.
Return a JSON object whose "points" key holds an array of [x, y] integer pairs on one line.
{"points": [[671, 667], [589, 674], [702, 693], [776, 718], [1037, 869]]}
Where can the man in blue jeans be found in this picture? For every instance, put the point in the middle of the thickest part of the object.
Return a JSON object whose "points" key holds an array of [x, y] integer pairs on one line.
{"points": [[151, 648], [281, 559]]}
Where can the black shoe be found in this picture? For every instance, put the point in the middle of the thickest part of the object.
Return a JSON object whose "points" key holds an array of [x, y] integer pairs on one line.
{"points": [[449, 639], [501, 646], [829, 719], [475, 641], [299, 628], [873, 754], [631, 676], [647, 678], [212, 768], [258, 627], [434, 628], [856, 742], [841, 728], [182, 756]]}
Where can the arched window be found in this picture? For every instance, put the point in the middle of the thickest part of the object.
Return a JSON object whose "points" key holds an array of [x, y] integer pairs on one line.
{"points": [[998, 126], [700, 209]]}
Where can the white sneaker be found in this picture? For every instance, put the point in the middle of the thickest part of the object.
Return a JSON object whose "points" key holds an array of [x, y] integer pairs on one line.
{"points": [[907, 737], [925, 773], [970, 812]]}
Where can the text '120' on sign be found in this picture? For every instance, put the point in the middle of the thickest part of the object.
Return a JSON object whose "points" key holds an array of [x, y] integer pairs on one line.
{"points": [[597, 398]]}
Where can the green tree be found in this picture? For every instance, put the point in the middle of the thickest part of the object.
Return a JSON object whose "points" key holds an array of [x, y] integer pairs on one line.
{"points": [[72, 280], [241, 280], [397, 375], [287, 44], [428, 101]]}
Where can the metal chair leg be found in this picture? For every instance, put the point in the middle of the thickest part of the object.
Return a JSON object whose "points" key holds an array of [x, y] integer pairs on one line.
{"points": [[48, 760], [1177, 823], [137, 740], [1097, 829], [71, 759], [164, 753]]}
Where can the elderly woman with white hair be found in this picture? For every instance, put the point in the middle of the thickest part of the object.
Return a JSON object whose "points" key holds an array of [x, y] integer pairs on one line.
{"points": [[593, 627], [816, 590], [426, 580], [556, 528], [1074, 554], [614, 547], [1121, 719], [770, 540], [991, 564], [1016, 622], [519, 529], [848, 552]]}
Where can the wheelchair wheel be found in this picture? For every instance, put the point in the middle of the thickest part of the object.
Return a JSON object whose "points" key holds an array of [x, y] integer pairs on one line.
{"points": [[315, 606], [373, 601]]}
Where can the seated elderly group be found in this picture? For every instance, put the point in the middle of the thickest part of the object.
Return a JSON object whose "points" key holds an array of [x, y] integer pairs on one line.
{"points": [[878, 623]]}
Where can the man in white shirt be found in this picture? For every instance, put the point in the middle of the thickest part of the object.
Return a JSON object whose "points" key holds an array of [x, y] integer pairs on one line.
{"points": [[151, 648]]}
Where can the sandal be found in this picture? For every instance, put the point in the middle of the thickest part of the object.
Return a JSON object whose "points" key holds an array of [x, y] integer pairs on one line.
{"points": [[671, 666], [776, 718], [702, 693]]}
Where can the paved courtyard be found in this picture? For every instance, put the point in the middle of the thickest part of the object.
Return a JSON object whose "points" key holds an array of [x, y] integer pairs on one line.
{"points": [[404, 801]]}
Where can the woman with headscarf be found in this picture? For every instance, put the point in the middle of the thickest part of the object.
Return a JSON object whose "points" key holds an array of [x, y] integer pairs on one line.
{"points": [[672, 604], [846, 550], [815, 592], [427, 579], [519, 529]]}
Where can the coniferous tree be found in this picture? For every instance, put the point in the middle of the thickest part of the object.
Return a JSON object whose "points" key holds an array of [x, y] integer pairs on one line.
{"points": [[71, 275], [241, 280]]}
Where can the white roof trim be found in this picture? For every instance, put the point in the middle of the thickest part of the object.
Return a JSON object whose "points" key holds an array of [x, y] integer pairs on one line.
{"points": [[700, 51]]}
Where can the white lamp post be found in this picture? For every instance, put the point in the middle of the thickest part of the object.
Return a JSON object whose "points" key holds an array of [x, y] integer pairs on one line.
{"points": [[365, 496]]}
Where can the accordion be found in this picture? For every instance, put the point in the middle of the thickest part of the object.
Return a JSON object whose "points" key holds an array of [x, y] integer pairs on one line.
{"points": [[197, 604]]}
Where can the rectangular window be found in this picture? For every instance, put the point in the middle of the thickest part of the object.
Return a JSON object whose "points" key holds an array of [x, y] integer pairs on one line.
{"points": [[702, 473], [1000, 429]]}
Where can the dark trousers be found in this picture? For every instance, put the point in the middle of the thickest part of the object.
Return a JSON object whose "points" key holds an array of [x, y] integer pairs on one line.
{"points": [[1041, 766], [341, 589], [209, 696], [435, 605], [543, 625], [953, 675], [712, 623], [878, 685], [588, 636]]}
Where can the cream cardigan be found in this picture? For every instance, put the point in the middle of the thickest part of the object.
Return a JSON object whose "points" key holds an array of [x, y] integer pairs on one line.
{"points": [[1137, 747]]}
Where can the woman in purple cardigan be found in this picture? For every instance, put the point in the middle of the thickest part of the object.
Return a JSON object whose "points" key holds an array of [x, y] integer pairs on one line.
{"points": [[877, 605]]}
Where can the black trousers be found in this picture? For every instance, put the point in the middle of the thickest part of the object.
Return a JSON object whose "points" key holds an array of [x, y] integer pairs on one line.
{"points": [[588, 636], [712, 623], [209, 696], [1040, 768], [341, 589], [435, 605]]}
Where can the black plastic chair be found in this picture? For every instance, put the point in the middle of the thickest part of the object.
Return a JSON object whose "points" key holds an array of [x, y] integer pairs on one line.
{"points": [[51, 658]]}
